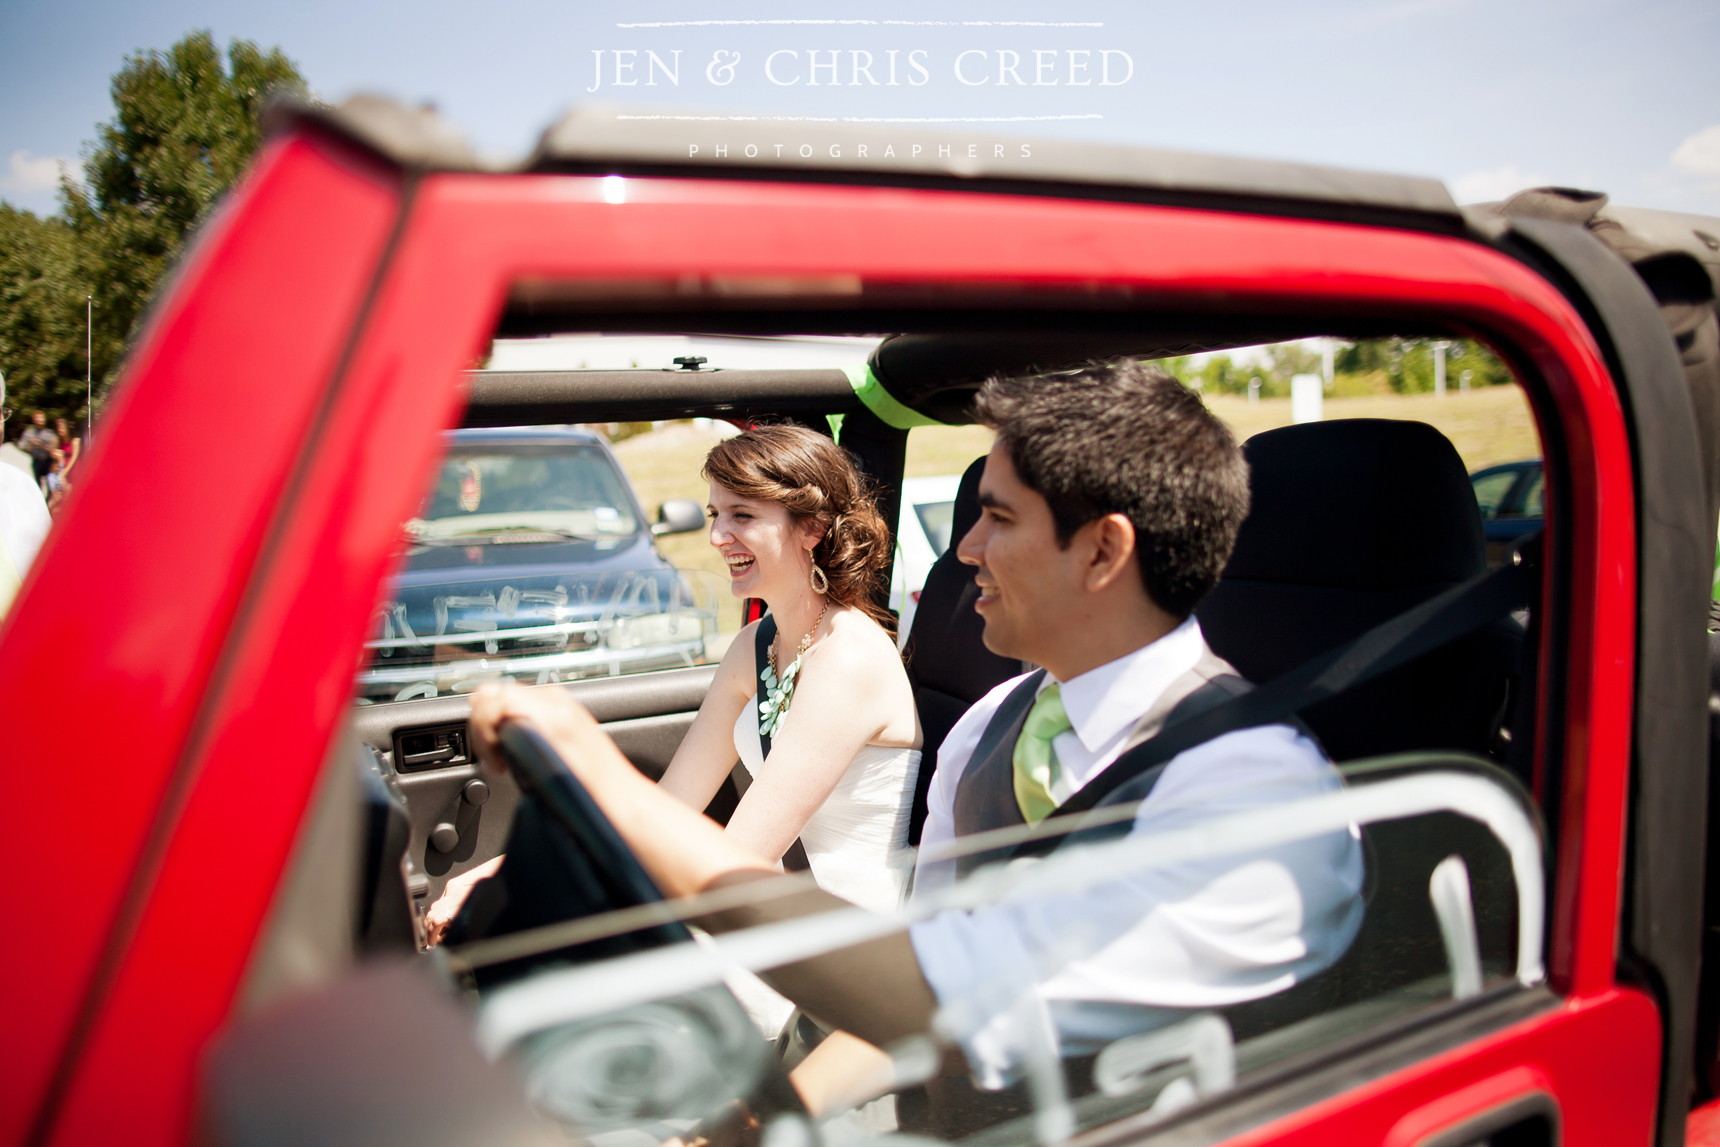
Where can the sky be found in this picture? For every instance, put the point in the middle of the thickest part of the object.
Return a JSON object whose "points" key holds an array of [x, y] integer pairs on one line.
{"points": [[1488, 95]]}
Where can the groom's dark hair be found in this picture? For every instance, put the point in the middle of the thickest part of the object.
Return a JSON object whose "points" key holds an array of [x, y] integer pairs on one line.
{"points": [[1124, 437]]}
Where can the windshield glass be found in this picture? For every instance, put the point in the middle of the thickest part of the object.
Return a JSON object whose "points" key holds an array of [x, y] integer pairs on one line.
{"points": [[530, 561], [567, 489]]}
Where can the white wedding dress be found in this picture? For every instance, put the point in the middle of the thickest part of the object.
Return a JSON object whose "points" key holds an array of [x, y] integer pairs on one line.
{"points": [[856, 843]]}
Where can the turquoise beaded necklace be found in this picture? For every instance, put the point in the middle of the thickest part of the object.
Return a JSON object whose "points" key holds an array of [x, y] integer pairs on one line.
{"points": [[779, 692]]}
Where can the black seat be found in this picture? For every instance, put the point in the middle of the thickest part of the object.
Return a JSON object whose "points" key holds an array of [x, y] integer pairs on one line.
{"points": [[385, 910], [1352, 522], [948, 664]]}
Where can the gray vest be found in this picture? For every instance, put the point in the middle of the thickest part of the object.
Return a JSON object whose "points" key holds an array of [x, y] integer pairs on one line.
{"points": [[985, 796]]}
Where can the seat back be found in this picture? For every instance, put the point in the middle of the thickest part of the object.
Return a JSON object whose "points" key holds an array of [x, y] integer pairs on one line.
{"points": [[384, 922], [1353, 522], [948, 664]]}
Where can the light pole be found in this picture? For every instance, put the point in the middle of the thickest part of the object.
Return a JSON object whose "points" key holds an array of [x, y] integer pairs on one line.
{"points": [[89, 368]]}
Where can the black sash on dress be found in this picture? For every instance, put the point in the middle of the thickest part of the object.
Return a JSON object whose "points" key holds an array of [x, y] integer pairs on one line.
{"points": [[794, 860], [761, 661]]}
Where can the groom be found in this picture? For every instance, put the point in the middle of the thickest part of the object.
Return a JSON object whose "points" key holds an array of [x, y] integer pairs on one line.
{"points": [[1110, 504]]}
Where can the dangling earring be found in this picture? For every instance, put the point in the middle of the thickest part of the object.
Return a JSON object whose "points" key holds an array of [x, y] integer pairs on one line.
{"points": [[820, 583]]}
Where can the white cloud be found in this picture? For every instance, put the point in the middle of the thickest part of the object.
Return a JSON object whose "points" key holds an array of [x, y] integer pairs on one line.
{"points": [[26, 173], [1499, 183], [1700, 153]]}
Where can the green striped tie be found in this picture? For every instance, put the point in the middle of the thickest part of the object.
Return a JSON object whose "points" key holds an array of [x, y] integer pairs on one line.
{"points": [[1035, 762]]}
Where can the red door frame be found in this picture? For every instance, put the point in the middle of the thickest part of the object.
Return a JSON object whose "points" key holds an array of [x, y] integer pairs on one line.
{"points": [[307, 359]]}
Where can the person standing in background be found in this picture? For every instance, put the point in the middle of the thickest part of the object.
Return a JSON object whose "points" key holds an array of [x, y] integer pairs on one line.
{"points": [[39, 442], [54, 484], [71, 447]]}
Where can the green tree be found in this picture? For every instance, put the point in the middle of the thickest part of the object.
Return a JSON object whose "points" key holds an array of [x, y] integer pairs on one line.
{"points": [[1408, 363], [1369, 366], [186, 122], [41, 339]]}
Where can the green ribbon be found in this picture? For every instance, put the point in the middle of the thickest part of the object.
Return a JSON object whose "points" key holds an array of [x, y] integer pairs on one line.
{"points": [[881, 402]]}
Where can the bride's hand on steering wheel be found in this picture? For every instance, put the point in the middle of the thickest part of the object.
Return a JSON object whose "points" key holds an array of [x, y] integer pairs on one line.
{"points": [[567, 725]]}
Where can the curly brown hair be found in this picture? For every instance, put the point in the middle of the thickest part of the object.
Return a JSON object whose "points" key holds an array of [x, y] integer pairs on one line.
{"points": [[814, 479]]}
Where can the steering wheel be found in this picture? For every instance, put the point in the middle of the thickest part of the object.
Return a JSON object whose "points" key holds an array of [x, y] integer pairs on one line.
{"points": [[540, 771], [733, 1104]]}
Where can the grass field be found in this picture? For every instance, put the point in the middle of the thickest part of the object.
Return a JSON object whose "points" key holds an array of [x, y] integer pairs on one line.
{"points": [[1487, 426], [665, 464]]}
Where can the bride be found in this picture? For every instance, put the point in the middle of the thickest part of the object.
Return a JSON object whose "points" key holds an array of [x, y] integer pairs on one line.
{"points": [[813, 699]]}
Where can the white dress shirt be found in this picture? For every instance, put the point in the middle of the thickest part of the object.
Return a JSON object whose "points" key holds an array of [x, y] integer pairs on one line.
{"points": [[1138, 951]]}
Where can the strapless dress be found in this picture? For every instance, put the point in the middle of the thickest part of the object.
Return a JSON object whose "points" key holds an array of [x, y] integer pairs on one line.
{"points": [[856, 843]]}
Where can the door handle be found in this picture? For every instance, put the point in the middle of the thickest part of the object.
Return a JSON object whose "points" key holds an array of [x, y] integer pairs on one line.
{"points": [[1527, 1118], [417, 748], [443, 753]]}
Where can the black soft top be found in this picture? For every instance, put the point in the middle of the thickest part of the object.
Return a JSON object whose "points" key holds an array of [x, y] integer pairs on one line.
{"points": [[605, 139]]}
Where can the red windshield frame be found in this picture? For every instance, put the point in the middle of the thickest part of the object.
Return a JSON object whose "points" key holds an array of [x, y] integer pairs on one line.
{"points": [[310, 355]]}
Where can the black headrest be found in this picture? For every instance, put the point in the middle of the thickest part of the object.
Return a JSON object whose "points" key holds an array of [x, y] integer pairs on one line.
{"points": [[947, 649], [966, 510], [1358, 503]]}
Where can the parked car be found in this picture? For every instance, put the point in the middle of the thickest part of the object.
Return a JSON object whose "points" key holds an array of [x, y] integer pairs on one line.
{"points": [[531, 559], [922, 536], [1510, 499], [216, 935]]}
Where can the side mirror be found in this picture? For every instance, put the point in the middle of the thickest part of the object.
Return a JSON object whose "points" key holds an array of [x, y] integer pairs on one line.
{"points": [[678, 516]]}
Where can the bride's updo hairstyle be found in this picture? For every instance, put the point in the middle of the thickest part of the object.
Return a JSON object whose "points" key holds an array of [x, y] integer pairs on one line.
{"points": [[813, 478]]}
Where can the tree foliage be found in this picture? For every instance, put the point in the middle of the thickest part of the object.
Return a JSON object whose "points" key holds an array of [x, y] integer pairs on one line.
{"points": [[41, 338], [186, 122], [1371, 366], [1407, 364]]}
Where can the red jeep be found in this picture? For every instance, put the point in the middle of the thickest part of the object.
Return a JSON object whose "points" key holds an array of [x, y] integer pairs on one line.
{"points": [[224, 939]]}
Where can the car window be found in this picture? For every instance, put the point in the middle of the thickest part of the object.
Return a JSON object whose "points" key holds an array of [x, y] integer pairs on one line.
{"points": [[1491, 489], [501, 489], [1052, 1002], [532, 560], [1038, 962], [935, 520], [1530, 505]]}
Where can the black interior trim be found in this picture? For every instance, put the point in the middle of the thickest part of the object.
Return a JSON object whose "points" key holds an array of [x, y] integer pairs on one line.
{"points": [[1034, 316], [935, 372], [532, 398], [1669, 773]]}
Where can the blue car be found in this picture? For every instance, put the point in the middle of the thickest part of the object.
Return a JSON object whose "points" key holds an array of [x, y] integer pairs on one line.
{"points": [[1510, 498], [532, 559]]}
